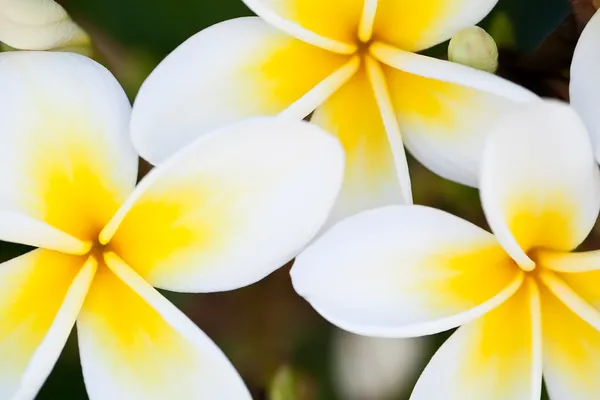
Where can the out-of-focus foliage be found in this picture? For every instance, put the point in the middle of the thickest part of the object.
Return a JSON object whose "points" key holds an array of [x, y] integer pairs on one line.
{"points": [[531, 21]]}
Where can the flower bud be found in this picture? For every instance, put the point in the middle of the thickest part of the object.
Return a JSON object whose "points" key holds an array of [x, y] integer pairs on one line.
{"points": [[475, 48], [39, 25]]}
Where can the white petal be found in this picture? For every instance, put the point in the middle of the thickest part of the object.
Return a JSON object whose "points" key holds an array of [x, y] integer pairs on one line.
{"points": [[571, 352], [367, 20], [585, 284], [585, 79], [570, 298], [41, 294], [386, 109], [560, 261], [135, 344], [376, 173], [231, 71], [496, 357], [415, 26], [540, 185], [38, 25], [331, 24], [404, 271], [445, 110], [65, 155], [231, 208], [23, 229]]}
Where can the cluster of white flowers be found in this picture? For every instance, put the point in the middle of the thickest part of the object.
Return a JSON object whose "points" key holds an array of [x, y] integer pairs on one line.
{"points": [[242, 185]]}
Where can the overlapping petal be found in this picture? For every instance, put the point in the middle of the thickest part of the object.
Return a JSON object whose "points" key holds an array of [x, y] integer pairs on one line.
{"points": [[571, 352], [445, 110], [233, 70], [416, 26], [404, 271], [38, 25], [331, 24], [496, 357], [585, 284], [540, 185], [65, 155], [568, 262], [231, 208], [585, 80], [135, 344], [371, 177], [41, 294]]}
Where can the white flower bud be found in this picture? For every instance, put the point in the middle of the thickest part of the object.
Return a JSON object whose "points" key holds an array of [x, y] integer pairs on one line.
{"points": [[474, 47], [38, 25]]}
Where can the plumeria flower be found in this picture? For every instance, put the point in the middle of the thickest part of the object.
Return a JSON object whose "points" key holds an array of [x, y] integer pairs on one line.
{"points": [[352, 63], [38, 25], [585, 80], [525, 303], [221, 214]]}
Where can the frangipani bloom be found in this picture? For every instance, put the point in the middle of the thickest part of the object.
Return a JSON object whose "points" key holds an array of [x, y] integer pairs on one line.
{"points": [[221, 214], [526, 303], [352, 62], [585, 80], [38, 25]]}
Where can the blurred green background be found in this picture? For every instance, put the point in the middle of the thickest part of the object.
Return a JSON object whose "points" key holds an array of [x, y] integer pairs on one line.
{"points": [[269, 333]]}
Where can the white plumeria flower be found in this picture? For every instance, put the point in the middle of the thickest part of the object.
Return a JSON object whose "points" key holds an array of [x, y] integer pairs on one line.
{"points": [[221, 214], [585, 79], [525, 302], [353, 63], [38, 25]]}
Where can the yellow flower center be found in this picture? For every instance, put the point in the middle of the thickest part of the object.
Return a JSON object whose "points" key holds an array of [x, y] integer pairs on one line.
{"points": [[363, 48]]}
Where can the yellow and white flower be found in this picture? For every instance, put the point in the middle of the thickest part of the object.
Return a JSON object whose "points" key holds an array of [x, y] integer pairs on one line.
{"points": [[526, 303], [352, 62], [585, 79], [221, 214], [38, 25]]}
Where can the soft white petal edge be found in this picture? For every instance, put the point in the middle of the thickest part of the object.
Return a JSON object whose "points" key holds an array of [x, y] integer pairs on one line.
{"points": [[365, 28], [274, 124], [318, 272], [541, 148], [451, 143], [320, 93], [299, 32], [585, 79], [427, 328], [49, 103], [570, 298], [19, 228], [450, 72], [289, 215], [386, 110], [570, 262], [181, 323], [47, 353], [441, 378], [216, 78]]}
